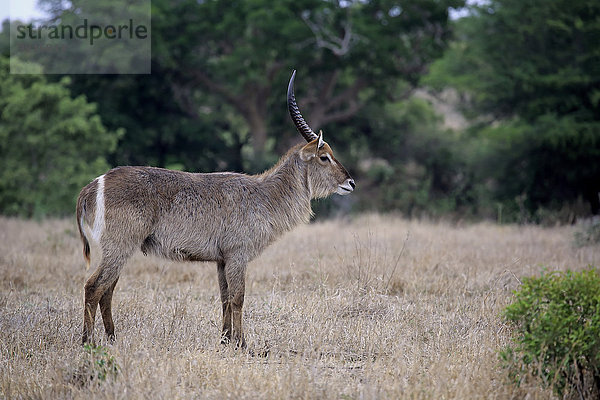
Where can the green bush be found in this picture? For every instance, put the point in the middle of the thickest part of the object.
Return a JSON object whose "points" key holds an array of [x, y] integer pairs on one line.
{"points": [[98, 365], [51, 144], [557, 322]]}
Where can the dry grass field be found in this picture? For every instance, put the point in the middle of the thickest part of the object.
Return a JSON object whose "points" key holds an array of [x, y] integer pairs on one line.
{"points": [[333, 310]]}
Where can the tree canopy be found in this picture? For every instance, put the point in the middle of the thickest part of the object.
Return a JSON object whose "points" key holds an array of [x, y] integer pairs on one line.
{"points": [[526, 74], [530, 75], [224, 65]]}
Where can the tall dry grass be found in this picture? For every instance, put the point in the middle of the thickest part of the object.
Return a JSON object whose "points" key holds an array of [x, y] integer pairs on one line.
{"points": [[377, 307]]}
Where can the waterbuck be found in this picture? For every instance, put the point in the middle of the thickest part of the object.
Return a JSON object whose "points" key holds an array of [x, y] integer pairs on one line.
{"points": [[224, 217]]}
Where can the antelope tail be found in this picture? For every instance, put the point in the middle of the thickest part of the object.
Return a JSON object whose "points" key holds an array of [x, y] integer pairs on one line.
{"points": [[80, 216]]}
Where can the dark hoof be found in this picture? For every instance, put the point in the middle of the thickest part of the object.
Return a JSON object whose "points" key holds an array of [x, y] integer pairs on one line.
{"points": [[85, 339], [225, 340], [240, 344]]}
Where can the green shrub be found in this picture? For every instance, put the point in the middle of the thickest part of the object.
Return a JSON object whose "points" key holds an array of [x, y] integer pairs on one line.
{"points": [[557, 322], [51, 144], [98, 366]]}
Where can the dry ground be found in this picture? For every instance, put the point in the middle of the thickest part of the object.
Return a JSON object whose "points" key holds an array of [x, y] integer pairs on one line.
{"points": [[333, 310]]}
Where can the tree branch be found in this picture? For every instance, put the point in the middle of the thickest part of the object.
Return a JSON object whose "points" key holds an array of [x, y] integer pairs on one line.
{"points": [[330, 84], [331, 110], [328, 40], [349, 94], [353, 107]]}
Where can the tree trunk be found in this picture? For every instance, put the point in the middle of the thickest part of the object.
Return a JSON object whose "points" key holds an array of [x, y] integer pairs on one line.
{"points": [[258, 131], [255, 114]]}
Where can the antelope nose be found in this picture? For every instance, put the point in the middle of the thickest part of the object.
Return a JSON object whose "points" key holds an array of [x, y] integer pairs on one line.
{"points": [[351, 182]]}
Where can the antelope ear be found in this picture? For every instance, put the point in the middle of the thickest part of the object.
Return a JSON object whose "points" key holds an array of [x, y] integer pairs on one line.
{"points": [[308, 151], [320, 142]]}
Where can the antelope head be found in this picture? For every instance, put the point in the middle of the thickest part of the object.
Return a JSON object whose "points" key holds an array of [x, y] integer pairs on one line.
{"points": [[326, 174]]}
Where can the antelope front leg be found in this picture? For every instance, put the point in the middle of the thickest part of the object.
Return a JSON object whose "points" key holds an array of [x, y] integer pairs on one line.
{"points": [[226, 332], [235, 274]]}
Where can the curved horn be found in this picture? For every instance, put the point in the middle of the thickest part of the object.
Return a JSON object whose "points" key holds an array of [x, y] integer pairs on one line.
{"points": [[300, 123]]}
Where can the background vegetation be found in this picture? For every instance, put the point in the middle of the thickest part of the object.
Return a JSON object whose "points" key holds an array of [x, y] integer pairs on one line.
{"points": [[374, 75]]}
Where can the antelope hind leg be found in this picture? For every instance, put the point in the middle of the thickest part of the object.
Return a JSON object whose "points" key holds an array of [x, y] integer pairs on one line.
{"points": [[101, 283], [106, 311]]}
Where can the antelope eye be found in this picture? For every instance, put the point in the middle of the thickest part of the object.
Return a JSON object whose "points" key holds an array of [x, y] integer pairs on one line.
{"points": [[324, 158]]}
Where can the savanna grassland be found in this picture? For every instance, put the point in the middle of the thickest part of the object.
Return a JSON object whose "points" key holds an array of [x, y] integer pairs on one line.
{"points": [[373, 307]]}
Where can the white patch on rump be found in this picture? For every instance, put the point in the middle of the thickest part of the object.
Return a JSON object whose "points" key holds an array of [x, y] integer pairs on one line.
{"points": [[99, 214]]}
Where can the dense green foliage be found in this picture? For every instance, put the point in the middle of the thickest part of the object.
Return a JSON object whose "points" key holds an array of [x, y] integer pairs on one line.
{"points": [[528, 58], [529, 72], [557, 323], [50, 145]]}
